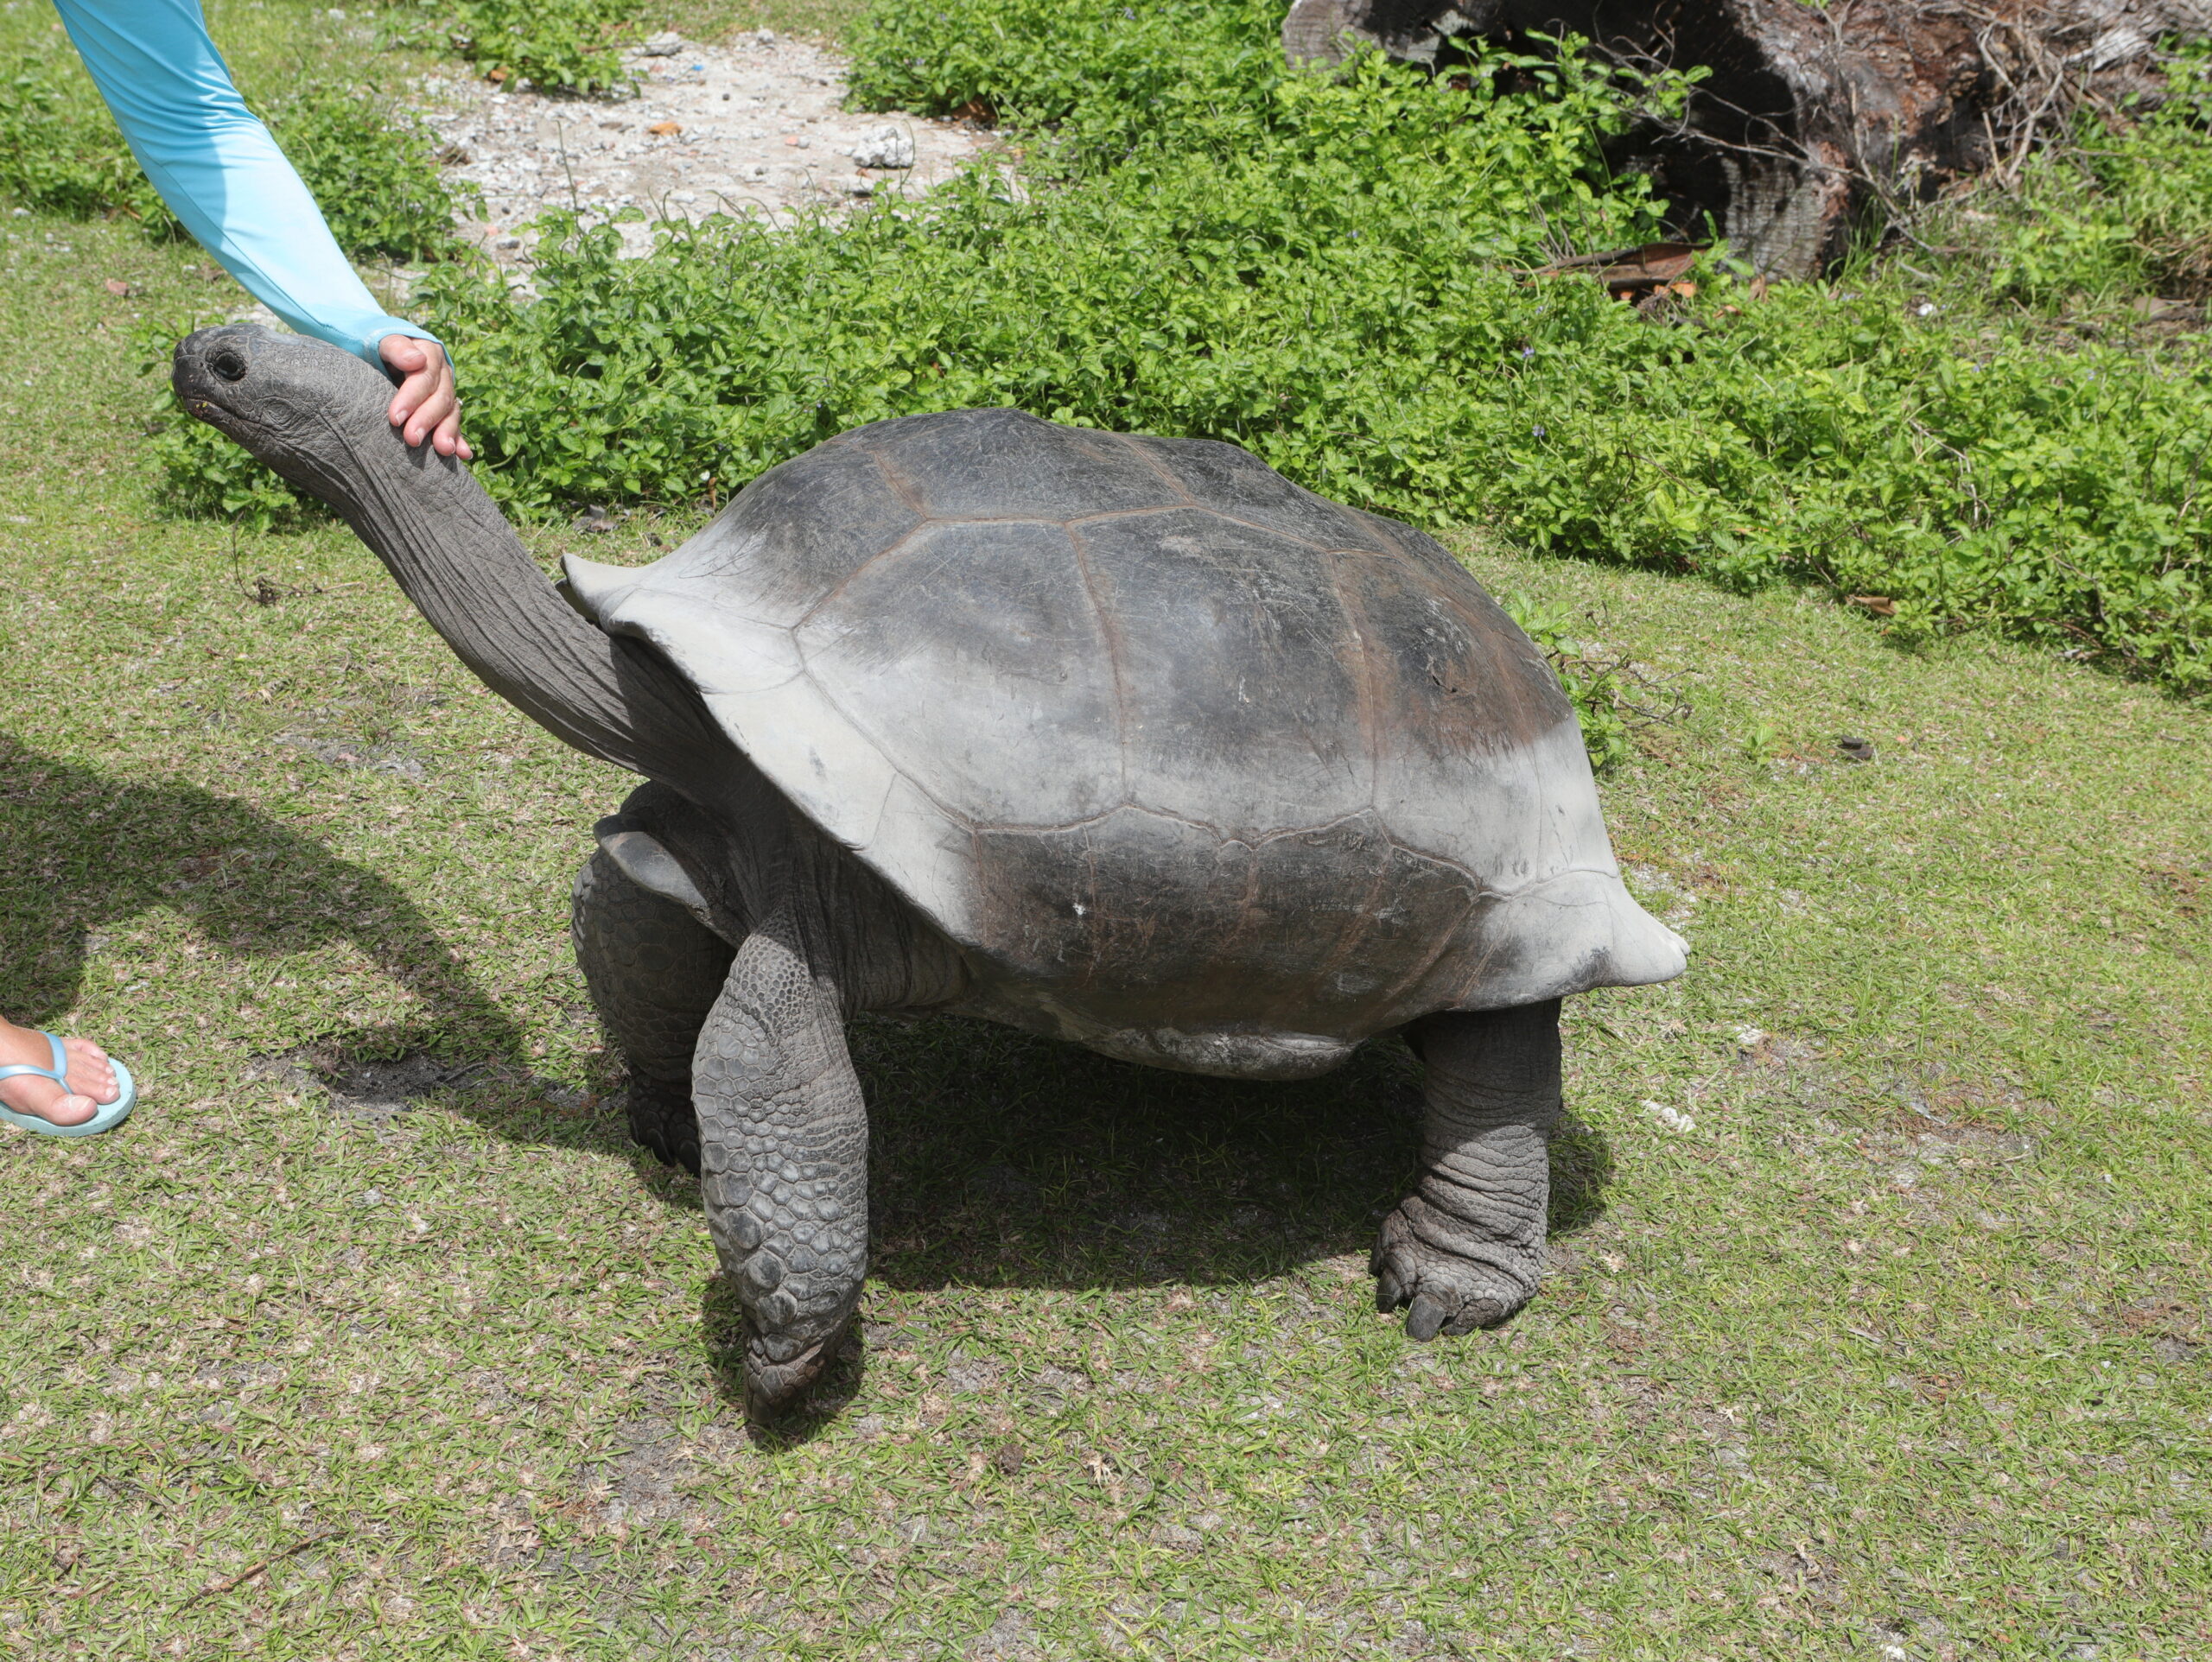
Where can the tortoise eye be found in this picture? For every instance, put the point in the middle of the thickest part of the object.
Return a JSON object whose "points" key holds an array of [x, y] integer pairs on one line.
{"points": [[229, 364]]}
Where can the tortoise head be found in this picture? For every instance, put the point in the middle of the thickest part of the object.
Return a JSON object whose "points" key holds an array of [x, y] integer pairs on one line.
{"points": [[313, 413]]}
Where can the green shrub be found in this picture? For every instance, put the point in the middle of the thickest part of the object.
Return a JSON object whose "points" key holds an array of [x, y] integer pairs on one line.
{"points": [[1314, 297], [568, 46], [2115, 211], [1338, 272], [1110, 69], [1593, 684], [60, 152], [370, 164]]}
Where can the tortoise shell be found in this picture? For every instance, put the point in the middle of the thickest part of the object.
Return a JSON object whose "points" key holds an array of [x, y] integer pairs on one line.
{"points": [[1162, 741]]}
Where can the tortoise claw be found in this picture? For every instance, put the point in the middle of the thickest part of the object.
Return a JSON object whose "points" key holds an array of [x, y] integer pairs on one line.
{"points": [[1425, 1316], [1443, 1293]]}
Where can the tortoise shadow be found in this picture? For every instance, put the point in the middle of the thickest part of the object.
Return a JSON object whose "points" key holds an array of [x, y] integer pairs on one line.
{"points": [[999, 1159], [1002, 1160], [92, 853]]}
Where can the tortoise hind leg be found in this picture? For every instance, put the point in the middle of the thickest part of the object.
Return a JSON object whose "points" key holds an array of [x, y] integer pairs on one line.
{"points": [[1465, 1249], [783, 1136], [654, 972]]}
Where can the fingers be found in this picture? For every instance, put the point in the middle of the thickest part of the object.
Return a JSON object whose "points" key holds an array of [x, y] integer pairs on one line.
{"points": [[447, 438], [425, 406]]}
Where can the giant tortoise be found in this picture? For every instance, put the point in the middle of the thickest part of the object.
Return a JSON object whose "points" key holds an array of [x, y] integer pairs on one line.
{"points": [[1125, 740]]}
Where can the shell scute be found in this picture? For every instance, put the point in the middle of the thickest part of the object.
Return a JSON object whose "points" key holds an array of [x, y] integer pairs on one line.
{"points": [[1005, 702], [1000, 464], [793, 536], [1229, 650], [1238, 485]]}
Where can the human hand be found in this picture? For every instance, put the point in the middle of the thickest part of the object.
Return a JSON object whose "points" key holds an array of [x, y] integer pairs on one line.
{"points": [[426, 405]]}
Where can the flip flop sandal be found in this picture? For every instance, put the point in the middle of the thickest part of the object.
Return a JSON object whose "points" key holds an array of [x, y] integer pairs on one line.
{"points": [[110, 1114]]}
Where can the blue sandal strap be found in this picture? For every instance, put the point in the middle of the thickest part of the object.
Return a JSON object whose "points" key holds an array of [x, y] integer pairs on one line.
{"points": [[58, 1073]]}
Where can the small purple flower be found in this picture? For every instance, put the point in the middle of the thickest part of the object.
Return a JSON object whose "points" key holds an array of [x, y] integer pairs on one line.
{"points": [[1538, 431], [1527, 352]]}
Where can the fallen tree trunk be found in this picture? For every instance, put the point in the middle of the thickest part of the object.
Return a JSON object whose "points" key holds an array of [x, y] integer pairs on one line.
{"points": [[1813, 119]]}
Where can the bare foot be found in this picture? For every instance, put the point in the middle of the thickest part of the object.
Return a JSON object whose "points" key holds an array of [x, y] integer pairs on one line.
{"points": [[91, 1082]]}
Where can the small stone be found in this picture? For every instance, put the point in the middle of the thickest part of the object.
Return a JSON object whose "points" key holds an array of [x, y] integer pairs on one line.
{"points": [[1856, 750], [667, 45], [1672, 1119], [889, 146], [665, 129]]}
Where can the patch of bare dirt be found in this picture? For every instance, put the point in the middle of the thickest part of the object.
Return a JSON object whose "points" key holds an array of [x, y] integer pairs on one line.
{"points": [[755, 127]]}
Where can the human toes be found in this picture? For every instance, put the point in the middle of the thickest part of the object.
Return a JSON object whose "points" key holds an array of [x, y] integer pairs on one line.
{"points": [[91, 1074], [30, 1095]]}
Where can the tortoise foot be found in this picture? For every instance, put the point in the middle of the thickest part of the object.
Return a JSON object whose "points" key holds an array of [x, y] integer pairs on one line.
{"points": [[1448, 1278], [779, 1367]]}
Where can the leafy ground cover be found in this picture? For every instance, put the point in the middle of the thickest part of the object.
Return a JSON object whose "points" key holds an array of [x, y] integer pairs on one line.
{"points": [[371, 1337], [1337, 274], [367, 159]]}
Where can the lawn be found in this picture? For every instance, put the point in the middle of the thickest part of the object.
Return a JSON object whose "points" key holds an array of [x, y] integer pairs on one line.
{"points": [[371, 1336]]}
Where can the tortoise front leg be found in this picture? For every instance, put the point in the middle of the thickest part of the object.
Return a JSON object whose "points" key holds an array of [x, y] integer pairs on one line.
{"points": [[654, 972], [1465, 1249], [782, 1145]]}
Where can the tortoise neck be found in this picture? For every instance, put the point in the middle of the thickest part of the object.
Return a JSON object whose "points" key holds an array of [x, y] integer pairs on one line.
{"points": [[458, 561]]}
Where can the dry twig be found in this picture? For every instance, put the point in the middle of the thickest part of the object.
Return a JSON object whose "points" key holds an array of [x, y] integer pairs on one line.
{"points": [[215, 1588]]}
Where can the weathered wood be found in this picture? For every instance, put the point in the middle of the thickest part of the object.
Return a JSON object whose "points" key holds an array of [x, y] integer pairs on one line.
{"points": [[1811, 116]]}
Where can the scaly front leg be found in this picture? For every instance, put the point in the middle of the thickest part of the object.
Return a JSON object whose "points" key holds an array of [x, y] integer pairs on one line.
{"points": [[1465, 1249], [782, 1145]]}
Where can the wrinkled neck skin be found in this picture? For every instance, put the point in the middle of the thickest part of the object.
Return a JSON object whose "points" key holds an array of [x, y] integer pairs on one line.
{"points": [[317, 416]]}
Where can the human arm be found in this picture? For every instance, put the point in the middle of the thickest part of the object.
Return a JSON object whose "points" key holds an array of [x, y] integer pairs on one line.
{"points": [[222, 174]]}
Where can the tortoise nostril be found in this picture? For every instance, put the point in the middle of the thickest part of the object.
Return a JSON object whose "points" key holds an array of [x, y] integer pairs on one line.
{"points": [[229, 364]]}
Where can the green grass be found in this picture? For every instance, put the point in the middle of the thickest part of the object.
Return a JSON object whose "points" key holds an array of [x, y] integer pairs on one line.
{"points": [[1903, 1346]]}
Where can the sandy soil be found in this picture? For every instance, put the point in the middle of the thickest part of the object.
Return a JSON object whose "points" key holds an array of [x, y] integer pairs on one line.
{"points": [[751, 127]]}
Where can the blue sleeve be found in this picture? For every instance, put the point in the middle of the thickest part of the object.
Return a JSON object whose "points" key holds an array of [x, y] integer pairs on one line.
{"points": [[219, 169]]}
